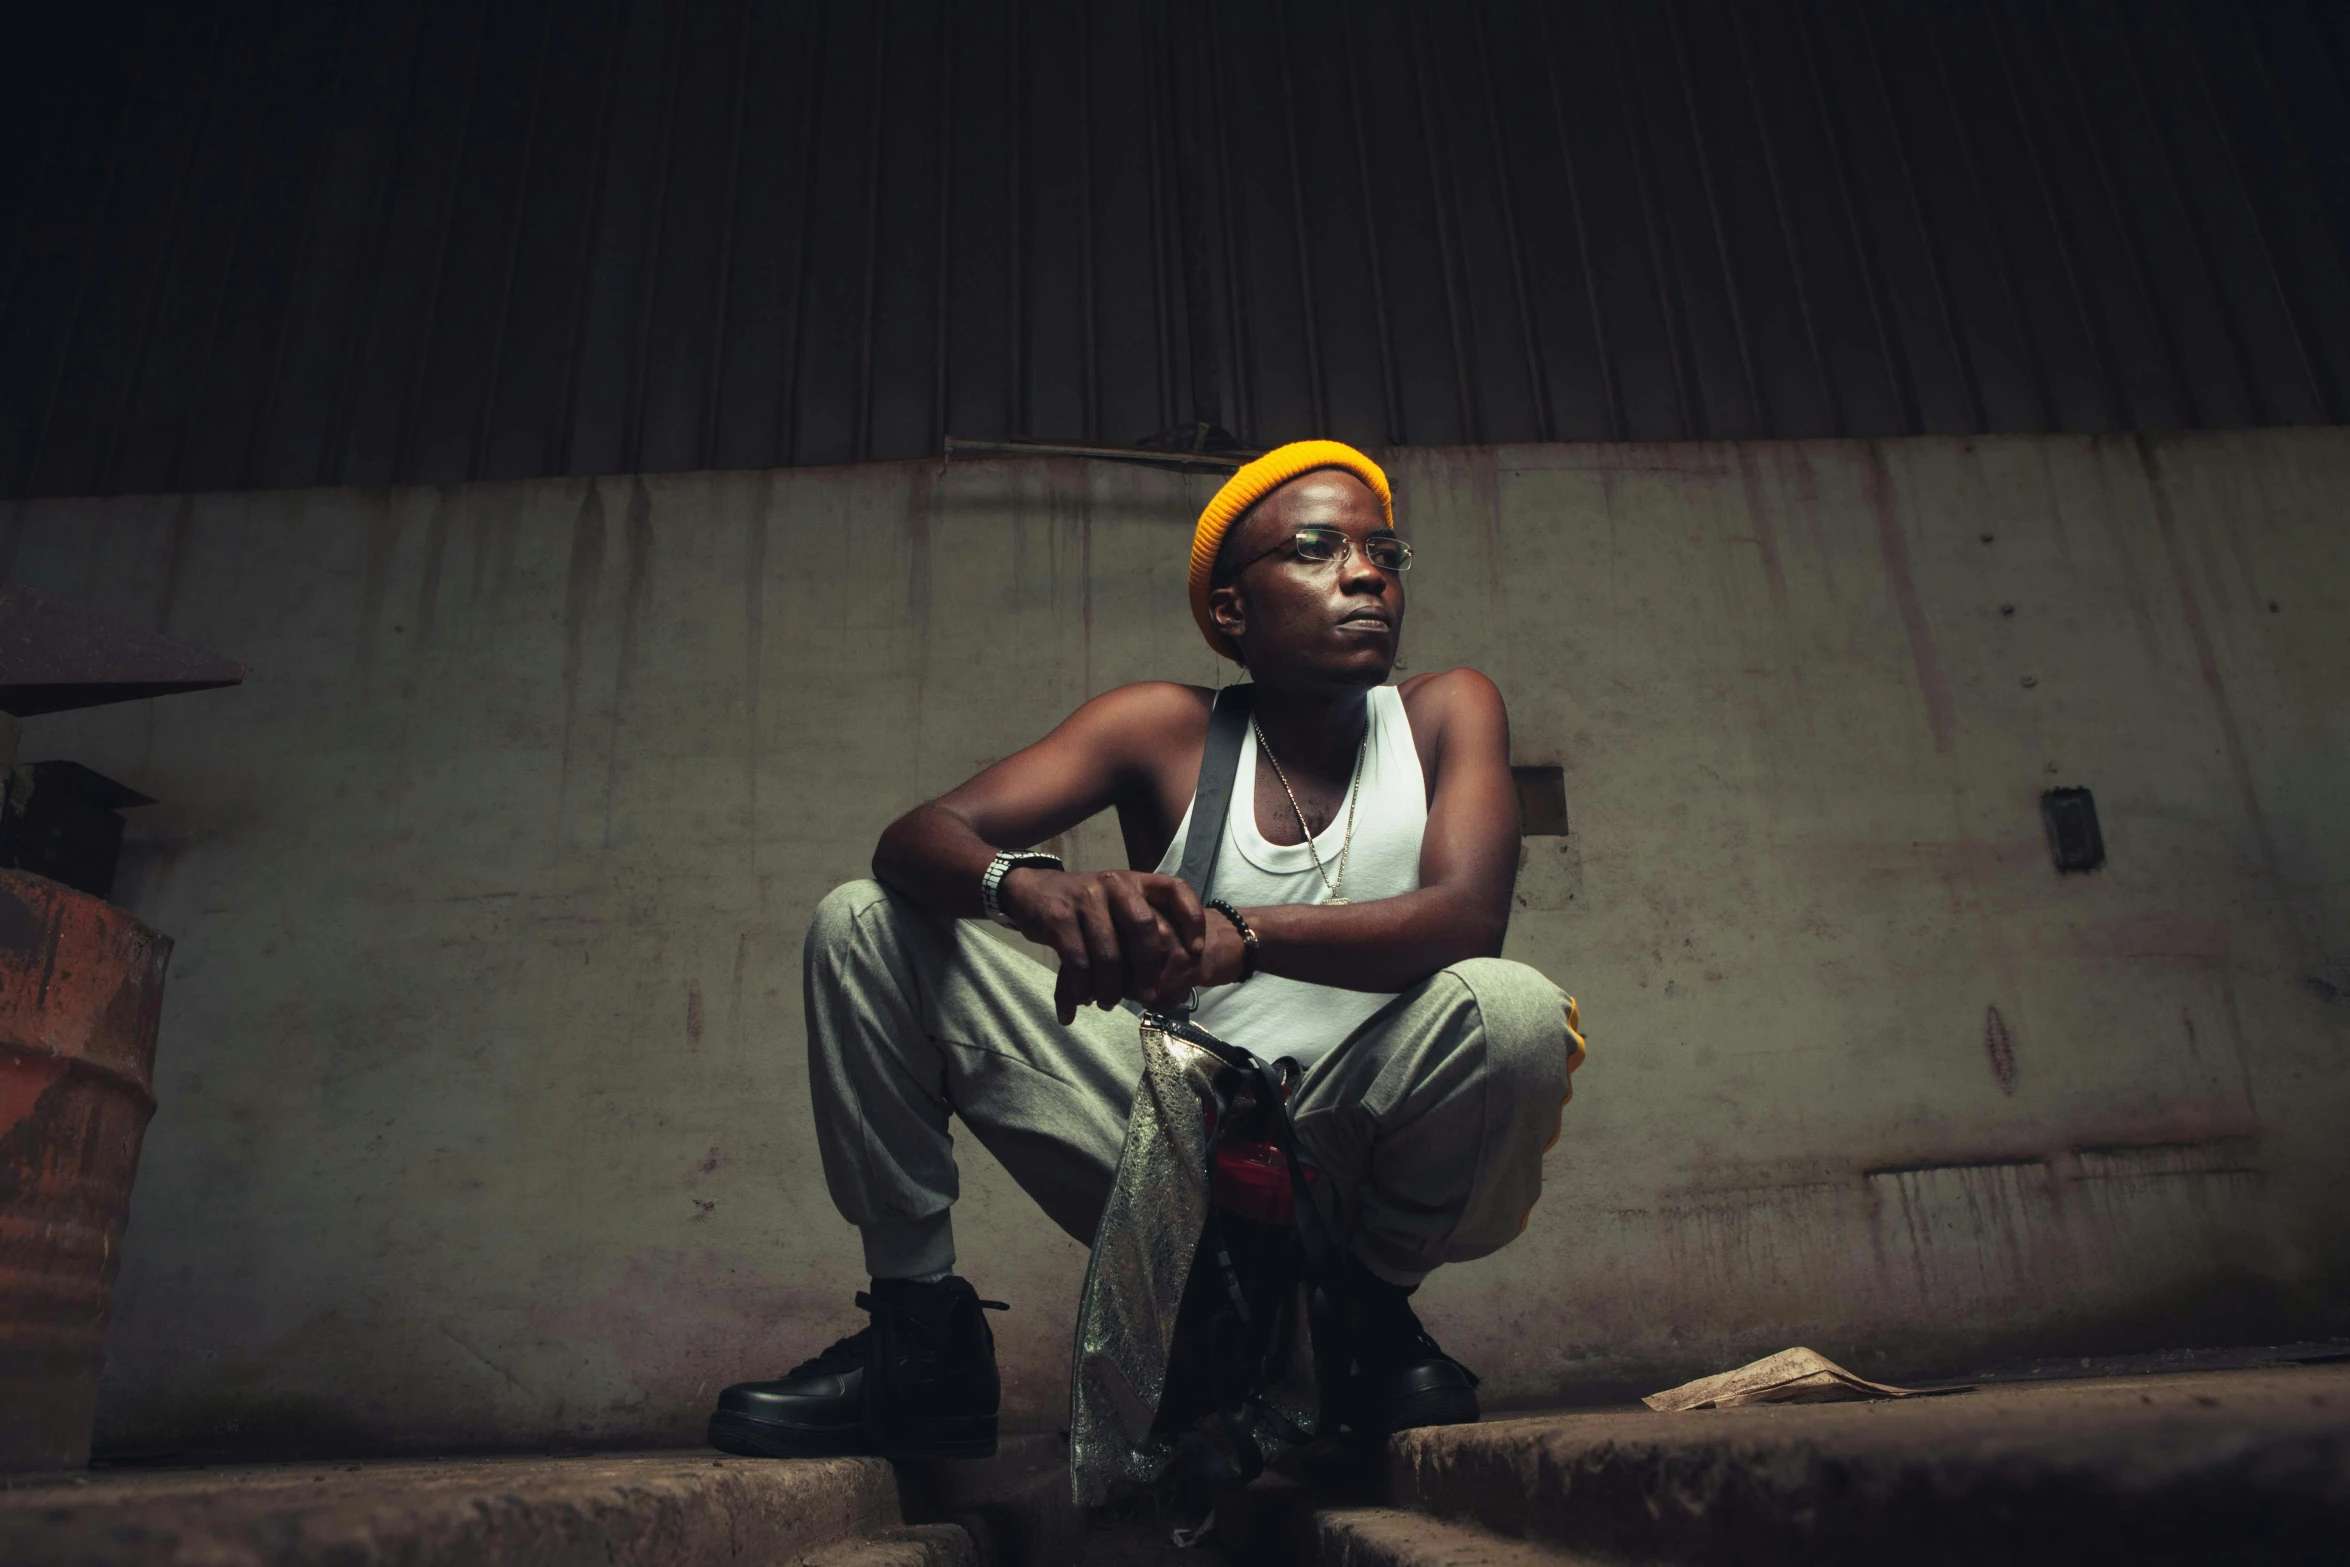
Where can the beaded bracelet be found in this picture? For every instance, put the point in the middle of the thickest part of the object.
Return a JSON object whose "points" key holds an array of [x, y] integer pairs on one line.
{"points": [[1248, 937]]}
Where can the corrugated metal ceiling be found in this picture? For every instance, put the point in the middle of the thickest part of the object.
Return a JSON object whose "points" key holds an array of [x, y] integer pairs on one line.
{"points": [[266, 243]]}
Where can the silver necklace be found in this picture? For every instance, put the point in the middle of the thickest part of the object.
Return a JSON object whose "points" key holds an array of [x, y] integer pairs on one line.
{"points": [[1354, 792]]}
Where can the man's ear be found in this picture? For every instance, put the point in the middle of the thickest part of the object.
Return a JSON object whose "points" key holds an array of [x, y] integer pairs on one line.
{"points": [[1229, 610]]}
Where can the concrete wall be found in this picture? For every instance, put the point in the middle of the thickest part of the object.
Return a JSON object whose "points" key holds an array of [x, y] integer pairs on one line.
{"points": [[482, 1115]]}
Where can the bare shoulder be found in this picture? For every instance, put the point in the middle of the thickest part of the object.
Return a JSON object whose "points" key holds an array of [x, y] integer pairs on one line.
{"points": [[1455, 714], [1142, 720], [1443, 696], [1153, 707]]}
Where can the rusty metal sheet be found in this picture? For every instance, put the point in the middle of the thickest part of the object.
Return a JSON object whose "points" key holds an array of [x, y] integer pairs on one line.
{"points": [[81, 991]]}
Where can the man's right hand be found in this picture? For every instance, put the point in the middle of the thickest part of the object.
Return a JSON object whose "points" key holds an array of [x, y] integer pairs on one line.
{"points": [[1119, 934]]}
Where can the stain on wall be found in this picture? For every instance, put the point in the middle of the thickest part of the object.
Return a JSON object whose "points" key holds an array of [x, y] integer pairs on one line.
{"points": [[1999, 1045], [483, 1118]]}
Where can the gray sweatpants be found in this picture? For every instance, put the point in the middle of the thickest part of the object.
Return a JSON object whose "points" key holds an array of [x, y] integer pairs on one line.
{"points": [[1431, 1119]]}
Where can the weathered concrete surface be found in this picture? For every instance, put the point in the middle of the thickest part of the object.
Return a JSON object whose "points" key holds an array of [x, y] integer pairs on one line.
{"points": [[1394, 1537], [916, 1545], [1016, 1507], [2202, 1466], [658, 1511], [483, 1118]]}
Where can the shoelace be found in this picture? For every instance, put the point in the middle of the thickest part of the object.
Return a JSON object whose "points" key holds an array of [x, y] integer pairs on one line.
{"points": [[880, 1307], [849, 1353], [845, 1355]]}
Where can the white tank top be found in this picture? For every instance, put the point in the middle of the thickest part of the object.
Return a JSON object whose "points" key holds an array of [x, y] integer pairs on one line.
{"points": [[1268, 1014]]}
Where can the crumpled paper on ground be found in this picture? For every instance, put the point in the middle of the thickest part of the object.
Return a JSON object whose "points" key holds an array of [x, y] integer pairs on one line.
{"points": [[1792, 1376]]}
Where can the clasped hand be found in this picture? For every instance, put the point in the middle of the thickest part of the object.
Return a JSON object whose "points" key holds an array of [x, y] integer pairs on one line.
{"points": [[1120, 935]]}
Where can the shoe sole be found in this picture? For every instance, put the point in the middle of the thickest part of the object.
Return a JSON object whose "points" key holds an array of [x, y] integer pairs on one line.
{"points": [[748, 1438]]}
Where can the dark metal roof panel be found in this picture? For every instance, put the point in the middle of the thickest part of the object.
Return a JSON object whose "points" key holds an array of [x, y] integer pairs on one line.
{"points": [[260, 243]]}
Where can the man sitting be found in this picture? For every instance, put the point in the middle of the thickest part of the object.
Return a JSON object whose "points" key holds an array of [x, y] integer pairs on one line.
{"points": [[1357, 913]]}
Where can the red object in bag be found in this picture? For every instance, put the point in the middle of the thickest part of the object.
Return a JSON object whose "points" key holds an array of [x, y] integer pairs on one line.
{"points": [[1252, 1180]]}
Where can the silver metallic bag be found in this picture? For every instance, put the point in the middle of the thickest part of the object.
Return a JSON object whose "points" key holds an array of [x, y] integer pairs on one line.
{"points": [[1135, 1285], [1141, 1263]]}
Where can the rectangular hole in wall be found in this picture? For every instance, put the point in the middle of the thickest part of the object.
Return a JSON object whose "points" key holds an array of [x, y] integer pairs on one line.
{"points": [[1542, 801], [2074, 840]]}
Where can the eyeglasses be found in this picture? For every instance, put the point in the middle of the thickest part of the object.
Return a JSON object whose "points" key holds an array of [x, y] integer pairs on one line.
{"points": [[1318, 546]]}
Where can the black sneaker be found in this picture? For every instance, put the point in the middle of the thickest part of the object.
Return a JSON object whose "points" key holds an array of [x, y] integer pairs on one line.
{"points": [[1390, 1373], [920, 1382]]}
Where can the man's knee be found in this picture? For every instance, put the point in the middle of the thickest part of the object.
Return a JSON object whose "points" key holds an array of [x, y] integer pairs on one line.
{"points": [[834, 929], [1523, 1019]]}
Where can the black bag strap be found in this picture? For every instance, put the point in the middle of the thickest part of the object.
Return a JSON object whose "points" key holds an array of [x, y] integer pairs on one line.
{"points": [[1211, 801]]}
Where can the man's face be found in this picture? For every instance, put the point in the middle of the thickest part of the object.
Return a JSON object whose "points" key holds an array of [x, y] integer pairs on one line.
{"points": [[1326, 623]]}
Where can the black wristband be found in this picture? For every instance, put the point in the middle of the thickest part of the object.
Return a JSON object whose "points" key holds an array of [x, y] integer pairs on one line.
{"points": [[1248, 937]]}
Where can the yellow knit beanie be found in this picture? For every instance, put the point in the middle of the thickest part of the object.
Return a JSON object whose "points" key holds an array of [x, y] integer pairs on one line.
{"points": [[1251, 485]]}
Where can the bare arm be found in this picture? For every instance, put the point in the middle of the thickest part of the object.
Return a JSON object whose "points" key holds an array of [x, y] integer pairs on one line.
{"points": [[1117, 933], [1468, 865], [1131, 934]]}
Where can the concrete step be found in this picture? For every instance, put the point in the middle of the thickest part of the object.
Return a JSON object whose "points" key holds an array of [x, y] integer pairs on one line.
{"points": [[1394, 1537], [2198, 1467], [917, 1545], [642, 1510], [1017, 1506]]}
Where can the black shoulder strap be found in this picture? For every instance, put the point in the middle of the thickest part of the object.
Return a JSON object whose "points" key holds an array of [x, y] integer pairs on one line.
{"points": [[1212, 800]]}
